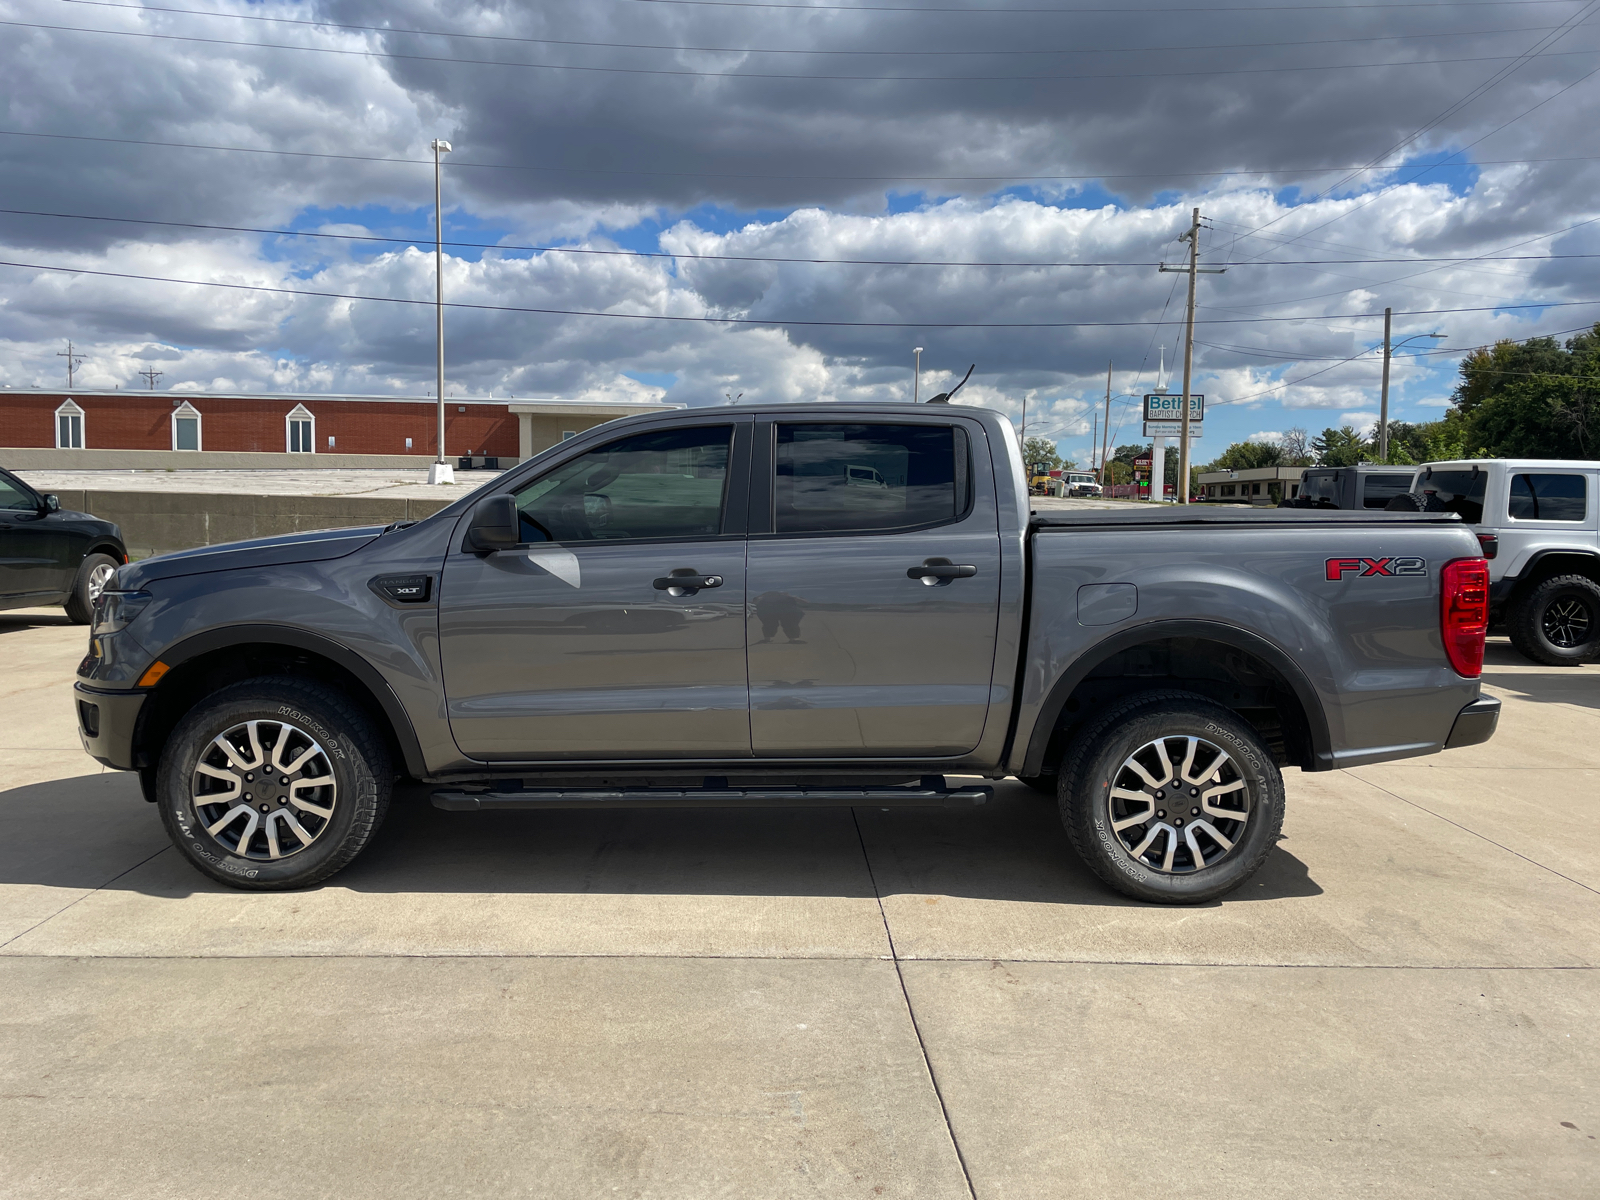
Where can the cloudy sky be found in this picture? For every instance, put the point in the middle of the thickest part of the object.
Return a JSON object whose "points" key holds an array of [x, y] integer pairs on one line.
{"points": [[810, 189]]}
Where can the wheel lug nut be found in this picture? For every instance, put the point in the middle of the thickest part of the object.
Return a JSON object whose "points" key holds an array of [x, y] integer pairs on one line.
{"points": [[1162, 813], [284, 781], [1194, 812], [285, 800], [250, 778], [266, 808], [1194, 791], [1179, 822], [248, 796], [1161, 795]]}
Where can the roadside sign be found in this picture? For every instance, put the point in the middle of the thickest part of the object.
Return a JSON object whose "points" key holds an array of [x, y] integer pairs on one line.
{"points": [[1165, 407], [1172, 429], [1142, 463]]}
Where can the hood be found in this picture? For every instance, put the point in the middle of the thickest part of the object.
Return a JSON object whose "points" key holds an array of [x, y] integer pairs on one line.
{"points": [[317, 546]]}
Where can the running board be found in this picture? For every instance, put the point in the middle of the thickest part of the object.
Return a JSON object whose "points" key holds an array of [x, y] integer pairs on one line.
{"points": [[932, 791]]}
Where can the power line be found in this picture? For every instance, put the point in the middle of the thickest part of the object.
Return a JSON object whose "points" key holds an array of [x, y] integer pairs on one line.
{"points": [[1538, 50], [769, 321], [1368, 350], [764, 258], [1065, 11], [898, 53], [921, 80], [814, 178]]}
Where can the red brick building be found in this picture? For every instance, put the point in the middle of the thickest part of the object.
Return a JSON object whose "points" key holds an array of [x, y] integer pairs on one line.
{"points": [[295, 424]]}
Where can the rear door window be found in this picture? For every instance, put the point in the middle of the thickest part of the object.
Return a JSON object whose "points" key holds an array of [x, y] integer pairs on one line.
{"points": [[869, 477], [1453, 491], [1378, 490], [1547, 497]]}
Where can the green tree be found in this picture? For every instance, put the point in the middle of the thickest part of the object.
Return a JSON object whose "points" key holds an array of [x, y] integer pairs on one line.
{"points": [[1247, 456], [1341, 447], [1041, 450], [1118, 471], [1532, 399]]}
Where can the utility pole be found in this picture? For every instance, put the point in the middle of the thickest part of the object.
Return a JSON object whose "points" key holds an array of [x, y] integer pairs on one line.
{"points": [[1105, 430], [1383, 400], [1094, 444], [441, 471], [151, 374], [916, 377], [1193, 270], [73, 359]]}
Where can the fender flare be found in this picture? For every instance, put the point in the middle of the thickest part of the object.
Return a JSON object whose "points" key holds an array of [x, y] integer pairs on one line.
{"points": [[1044, 725], [283, 635]]}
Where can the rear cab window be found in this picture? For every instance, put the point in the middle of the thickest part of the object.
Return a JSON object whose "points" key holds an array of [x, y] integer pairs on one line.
{"points": [[1537, 496], [1378, 490], [1453, 491]]}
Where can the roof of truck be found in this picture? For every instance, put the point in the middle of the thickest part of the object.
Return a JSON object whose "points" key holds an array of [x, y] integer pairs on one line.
{"points": [[1513, 464]]}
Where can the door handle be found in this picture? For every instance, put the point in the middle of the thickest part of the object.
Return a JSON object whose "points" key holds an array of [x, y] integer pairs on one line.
{"points": [[938, 571], [685, 581]]}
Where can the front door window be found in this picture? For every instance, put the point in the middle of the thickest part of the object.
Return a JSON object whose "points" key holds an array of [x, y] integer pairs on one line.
{"points": [[617, 629]]}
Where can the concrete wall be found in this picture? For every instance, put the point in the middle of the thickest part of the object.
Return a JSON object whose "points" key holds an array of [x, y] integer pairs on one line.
{"points": [[161, 522], [29, 458]]}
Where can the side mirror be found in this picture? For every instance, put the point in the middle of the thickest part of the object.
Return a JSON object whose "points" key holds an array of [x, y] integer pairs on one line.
{"points": [[495, 525], [52, 503]]}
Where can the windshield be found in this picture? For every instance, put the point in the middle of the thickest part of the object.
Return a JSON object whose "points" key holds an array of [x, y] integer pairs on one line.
{"points": [[1453, 491]]}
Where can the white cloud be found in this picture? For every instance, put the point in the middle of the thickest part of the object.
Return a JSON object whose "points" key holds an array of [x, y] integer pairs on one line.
{"points": [[615, 150], [1270, 437], [1362, 422]]}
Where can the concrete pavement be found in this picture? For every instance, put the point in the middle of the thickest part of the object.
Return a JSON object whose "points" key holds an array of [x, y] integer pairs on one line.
{"points": [[800, 1003]]}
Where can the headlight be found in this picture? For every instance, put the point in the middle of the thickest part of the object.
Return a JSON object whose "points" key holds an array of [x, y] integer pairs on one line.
{"points": [[117, 610]]}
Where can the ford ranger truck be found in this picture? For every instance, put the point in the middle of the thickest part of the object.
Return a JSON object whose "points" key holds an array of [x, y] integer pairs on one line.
{"points": [[710, 608]]}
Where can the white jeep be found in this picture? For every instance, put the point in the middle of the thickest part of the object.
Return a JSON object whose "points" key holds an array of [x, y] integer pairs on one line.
{"points": [[1537, 522]]}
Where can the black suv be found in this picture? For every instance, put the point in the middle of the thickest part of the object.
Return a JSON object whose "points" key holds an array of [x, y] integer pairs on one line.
{"points": [[48, 556]]}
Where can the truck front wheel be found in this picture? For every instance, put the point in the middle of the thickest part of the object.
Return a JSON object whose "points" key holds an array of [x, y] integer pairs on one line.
{"points": [[273, 784], [1558, 622], [1177, 802]]}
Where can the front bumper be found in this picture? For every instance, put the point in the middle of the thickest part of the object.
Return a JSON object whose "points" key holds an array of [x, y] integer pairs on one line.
{"points": [[1475, 723], [106, 722]]}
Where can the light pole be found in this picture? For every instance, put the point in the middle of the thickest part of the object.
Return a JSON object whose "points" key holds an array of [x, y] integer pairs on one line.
{"points": [[440, 471], [1383, 402], [916, 377]]}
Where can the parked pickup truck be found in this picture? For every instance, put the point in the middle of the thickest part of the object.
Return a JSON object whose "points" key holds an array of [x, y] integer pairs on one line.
{"points": [[706, 608]]}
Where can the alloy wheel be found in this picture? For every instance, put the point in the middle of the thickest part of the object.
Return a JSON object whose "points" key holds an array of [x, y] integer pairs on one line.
{"points": [[1178, 804], [264, 790], [98, 579], [1566, 622]]}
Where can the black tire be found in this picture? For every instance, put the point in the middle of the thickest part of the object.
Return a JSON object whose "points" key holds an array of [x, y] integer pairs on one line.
{"points": [[92, 576], [1558, 622], [292, 715], [1089, 806]]}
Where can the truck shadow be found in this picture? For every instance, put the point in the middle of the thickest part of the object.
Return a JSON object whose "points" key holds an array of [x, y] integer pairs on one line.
{"points": [[1531, 681], [96, 832]]}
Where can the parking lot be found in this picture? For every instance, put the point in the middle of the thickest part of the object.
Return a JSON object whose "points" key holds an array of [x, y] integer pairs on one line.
{"points": [[832, 1003]]}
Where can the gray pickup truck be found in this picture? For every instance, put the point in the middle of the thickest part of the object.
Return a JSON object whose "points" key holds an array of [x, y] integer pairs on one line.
{"points": [[797, 605]]}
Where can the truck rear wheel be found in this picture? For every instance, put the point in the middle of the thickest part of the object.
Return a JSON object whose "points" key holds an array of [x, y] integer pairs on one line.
{"points": [[1558, 622], [1174, 800], [273, 784]]}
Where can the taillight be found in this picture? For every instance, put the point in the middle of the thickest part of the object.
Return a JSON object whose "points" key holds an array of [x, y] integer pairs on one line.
{"points": [[1490, 542], [1464, 613]]}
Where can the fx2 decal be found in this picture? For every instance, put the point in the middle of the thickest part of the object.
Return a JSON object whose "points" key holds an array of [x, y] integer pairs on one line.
{"points": [[1338, 568]]}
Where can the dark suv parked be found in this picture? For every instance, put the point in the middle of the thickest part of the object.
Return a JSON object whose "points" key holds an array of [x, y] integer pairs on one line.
{"points": [[48, 556]]}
